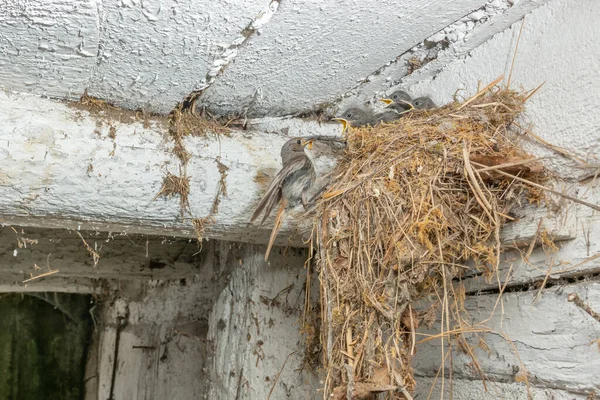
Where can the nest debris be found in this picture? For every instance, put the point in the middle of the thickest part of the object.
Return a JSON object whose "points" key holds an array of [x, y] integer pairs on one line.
{"points": [[412, 202], [174, 185], [184, 122]]}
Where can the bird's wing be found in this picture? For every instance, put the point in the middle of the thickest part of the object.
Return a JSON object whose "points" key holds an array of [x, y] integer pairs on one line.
{"points": [[276, 227], [273, 193]]}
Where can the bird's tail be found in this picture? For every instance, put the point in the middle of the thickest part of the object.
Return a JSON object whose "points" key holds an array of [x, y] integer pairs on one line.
{"points": [[276, 226]]}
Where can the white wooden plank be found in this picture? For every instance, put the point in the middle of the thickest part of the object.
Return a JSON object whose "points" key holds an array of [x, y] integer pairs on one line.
{"points": [[576, 257], [556, 341], [462, 389], [59, 167]]}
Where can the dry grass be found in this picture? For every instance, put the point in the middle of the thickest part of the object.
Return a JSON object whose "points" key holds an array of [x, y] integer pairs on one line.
{"points": [[184, 123], [200, 225], [106, 113], [174, 185], [412, 202]]}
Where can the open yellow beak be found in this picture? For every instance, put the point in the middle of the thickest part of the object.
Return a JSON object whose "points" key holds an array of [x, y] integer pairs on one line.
{"points": [[387, 101], [308, 144], [344, 122]]}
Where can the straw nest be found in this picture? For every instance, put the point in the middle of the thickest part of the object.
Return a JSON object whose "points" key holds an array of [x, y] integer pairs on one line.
{"points": [[412, 201]]}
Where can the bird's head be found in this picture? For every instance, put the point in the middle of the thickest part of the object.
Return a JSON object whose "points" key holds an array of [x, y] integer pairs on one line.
{"points": [[423, 103], [351, 115], [400, 99], [294, 147], [400, 95]]}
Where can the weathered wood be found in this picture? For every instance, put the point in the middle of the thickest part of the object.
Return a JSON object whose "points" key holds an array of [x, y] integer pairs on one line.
{"points": [[463, 389], [62, 167], [235, 321], [556, 341], [575, 257]]}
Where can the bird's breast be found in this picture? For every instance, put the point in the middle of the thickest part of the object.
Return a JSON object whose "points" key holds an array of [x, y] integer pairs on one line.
{"points": [[296, 183]]}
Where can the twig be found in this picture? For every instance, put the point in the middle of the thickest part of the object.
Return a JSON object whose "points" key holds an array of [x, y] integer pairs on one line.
{"points": [[566, 196], [543, 285], [401, 386], [574, 298], [506, 165], [412, 331], [550, 145], [279, 374], [52, 272], [579, 264], [238, 391], [94, 254], [534, 91], [512, 64], [479, 196], [482, 91]]}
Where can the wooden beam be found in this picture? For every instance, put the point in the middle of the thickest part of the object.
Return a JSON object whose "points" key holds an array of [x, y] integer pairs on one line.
{"points": [[63, 166]]}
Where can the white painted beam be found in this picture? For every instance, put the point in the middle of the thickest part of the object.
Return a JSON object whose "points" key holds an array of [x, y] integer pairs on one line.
{"points": [[59, 168]]}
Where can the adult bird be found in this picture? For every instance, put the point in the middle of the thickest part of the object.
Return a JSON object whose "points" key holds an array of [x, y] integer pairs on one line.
{"points": [[290, 186], [363, 116]]}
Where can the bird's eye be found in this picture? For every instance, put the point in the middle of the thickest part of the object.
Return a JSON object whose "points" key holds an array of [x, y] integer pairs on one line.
{"points": [[298, 141], [349, 115], [395, 97]]}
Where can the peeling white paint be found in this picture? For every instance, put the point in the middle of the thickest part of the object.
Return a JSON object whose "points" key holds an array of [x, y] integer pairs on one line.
{"points": [[443, 47], [153, 53], [230, 52], [48, 47], [311, 52]]}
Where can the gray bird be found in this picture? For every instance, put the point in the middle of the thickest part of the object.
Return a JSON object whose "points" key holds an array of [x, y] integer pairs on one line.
{"points": [[399, 101], [424, 103], [290, 186], [363, 117]]}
